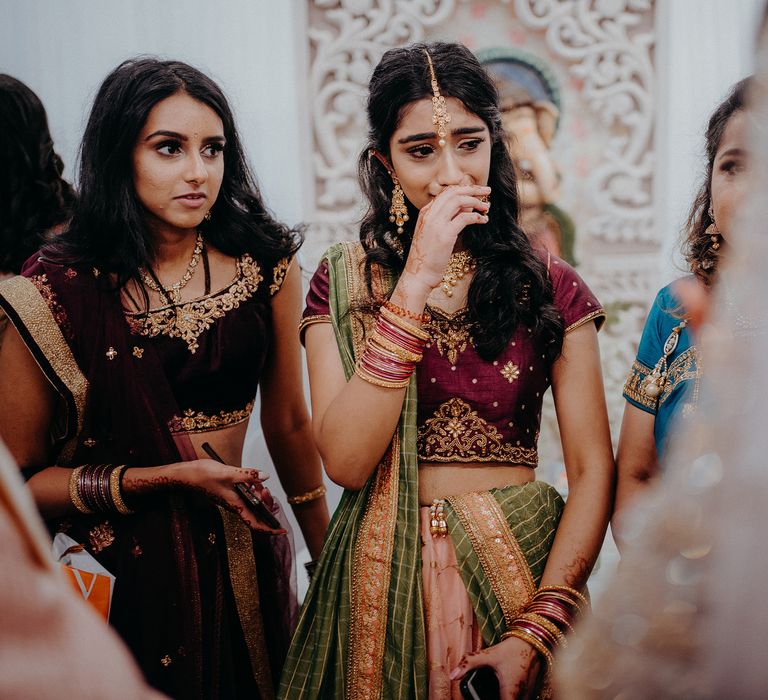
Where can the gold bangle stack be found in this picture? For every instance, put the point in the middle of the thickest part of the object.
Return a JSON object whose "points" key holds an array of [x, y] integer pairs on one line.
{"points": [[116, 493], [403, 324], [312, 495], [74, 494], [534, 641]]}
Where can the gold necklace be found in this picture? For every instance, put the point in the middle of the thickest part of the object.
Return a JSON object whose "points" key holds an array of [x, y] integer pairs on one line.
{"points": [[174, 291], [459, 264]]}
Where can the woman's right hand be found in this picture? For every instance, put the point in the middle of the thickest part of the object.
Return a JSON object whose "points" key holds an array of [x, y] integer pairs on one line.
{"points": [[209, 478], [439, 224]]}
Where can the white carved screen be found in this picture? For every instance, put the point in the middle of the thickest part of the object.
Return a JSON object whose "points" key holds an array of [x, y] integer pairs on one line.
{"points": [[601, 52]]}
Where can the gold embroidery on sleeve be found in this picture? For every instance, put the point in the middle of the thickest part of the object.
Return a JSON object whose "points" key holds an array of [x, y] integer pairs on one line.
{"points": [[278, 275], [632, 386]]}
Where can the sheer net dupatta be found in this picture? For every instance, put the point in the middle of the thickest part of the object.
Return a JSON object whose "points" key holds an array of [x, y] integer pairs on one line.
{"points": [[686, 616]]}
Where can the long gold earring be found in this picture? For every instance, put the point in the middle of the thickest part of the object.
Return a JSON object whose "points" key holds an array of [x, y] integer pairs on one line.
{"points": [[713, 231], [398, 212]]}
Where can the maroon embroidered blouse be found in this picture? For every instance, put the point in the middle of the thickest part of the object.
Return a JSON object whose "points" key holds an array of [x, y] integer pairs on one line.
{"points": [[469, 409]]}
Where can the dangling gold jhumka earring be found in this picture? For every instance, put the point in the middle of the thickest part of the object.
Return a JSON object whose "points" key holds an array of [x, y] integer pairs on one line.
{"points": [[398, 212], [440, 116], [713, 231]]}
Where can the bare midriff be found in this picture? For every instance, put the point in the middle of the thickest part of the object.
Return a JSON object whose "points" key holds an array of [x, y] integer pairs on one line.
{"points": [[228, 443], [443, 480]]}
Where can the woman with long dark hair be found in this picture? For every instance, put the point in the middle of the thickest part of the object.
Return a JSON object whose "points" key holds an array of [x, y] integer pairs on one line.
{"points": [[663, 384], [445, 553], [143, 332], [34, 197]]}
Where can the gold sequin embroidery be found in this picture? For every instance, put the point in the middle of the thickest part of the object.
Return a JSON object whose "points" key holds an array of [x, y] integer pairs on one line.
{"points": [[278, 275], [451, 333], [198, 422], [191, 319], [456, 433], [633, 386], [510, 371], [101, 537]]}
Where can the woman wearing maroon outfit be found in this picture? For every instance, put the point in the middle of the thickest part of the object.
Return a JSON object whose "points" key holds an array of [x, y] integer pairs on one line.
{"points": [[141, 333], [430, 345]]}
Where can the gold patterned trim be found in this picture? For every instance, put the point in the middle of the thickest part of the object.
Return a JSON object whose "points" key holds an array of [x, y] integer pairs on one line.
{"points": [[245, 587], [684, 367], [278, 275], [450, 332], [633, 386], [591, 316], [39, 324], [497, 549], [456, 433], [372, 563], [191, 319], [199, 422]]}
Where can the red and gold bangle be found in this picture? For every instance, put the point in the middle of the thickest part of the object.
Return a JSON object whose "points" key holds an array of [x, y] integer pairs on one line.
{"points": [[404, 325], [401, 352], [404, 313], [571, 593], [531, 639]]}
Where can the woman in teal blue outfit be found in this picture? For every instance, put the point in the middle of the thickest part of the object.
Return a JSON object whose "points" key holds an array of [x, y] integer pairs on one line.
{"points": [[663, 385]]}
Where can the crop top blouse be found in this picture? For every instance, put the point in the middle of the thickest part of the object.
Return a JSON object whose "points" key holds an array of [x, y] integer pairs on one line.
{"points": [[214, 348], [470, 409]]}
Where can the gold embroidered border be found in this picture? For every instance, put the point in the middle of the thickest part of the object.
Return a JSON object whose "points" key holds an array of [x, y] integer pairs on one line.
{"points": [[39, 322], [245, 587], [372, 563], [684, 367], [189, 320], [278, 275], [589, 317], [456, 433], [199, 422], [370, 583], [633, 386], [498, 551]]}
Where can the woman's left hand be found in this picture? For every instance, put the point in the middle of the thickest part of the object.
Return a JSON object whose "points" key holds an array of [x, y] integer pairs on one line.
{"points": [[517, 666]]}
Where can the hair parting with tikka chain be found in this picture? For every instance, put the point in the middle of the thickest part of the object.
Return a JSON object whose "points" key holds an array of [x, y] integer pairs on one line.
{"points": [[510, 286]]}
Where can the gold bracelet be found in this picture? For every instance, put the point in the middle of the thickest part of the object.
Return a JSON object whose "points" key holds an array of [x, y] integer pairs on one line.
{"points": [[366, 377], [400, 352], [74, 493], [403, 325], [114, 490], [531, 639], [568, 591], [312, 495], [548, 625]]}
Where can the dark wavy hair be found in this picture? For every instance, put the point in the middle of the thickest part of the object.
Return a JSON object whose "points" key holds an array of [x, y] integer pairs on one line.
{"points": [[109, 228], [510, 286], [701, 258], [34, 198]]}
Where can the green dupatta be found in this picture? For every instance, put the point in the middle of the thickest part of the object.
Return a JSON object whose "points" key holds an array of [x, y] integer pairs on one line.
{"points": [[361, 630]]}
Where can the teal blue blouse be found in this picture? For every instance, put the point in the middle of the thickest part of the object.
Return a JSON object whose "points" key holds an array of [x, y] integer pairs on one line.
{"points": [[681, 389]]}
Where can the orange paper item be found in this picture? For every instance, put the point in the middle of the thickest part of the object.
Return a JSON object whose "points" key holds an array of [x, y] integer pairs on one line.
{"points": [[86, 576]]}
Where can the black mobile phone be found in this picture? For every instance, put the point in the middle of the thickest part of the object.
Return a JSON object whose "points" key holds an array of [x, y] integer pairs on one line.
{"points": [[259, 508], [480, 684]]}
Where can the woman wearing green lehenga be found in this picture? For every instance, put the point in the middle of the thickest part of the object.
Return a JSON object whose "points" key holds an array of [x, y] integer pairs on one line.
{"points": [[445, 553]]}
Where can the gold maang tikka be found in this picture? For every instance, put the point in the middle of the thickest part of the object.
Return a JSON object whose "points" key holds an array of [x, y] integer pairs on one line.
{"points": [[440, 116]]}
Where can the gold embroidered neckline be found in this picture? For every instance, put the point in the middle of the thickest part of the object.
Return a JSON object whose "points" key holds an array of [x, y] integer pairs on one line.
{"points": [[450, 332], [190, 319]]}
